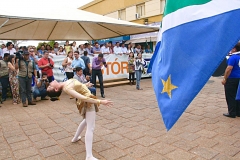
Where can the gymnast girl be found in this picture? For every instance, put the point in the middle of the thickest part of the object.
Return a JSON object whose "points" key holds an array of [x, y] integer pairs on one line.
{"points": [[87, 105]]}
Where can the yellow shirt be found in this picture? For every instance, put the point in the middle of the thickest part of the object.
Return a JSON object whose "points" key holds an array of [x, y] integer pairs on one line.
{"points": [[67, 49]]}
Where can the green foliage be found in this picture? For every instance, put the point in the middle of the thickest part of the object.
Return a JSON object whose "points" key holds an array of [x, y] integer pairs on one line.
{"points": [[51, 43]]}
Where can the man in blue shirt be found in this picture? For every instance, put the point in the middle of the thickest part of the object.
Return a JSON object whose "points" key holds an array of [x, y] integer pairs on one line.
{"points": [[41, 50], [148, 49], [96, 48], [231, 81], [78, 62], [89, 49]]}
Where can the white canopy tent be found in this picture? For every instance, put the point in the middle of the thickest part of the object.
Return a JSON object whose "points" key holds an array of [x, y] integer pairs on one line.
{"points": [[62, 24]]}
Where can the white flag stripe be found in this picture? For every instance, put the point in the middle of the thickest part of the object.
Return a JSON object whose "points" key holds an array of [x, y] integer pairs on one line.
{"points": [[197, 12]]}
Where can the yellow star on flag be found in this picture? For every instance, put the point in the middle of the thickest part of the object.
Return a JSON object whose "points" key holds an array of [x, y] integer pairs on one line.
{"points": [[168, 86]]}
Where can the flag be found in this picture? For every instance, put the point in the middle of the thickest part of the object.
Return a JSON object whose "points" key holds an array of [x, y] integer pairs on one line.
{"points": [[149, 70], [196, 37]]}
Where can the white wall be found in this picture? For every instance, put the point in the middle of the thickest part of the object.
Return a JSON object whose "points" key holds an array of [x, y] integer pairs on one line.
{"points": [[130, 13], [113, 15], [152, 8]]}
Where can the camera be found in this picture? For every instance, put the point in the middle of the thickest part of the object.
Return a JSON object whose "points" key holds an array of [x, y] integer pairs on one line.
{"points": [[51, 65], [19, 55], [45, 80], [104, 63]]}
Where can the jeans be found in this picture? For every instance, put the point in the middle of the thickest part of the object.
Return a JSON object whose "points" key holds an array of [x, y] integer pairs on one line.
{"points": [[98, 72], [5, 83], [92, 90], [37, 93], [138, 78], [25, 85]]}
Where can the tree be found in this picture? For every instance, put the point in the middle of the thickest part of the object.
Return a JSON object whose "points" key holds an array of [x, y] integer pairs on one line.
{"points": [[51, 43]]}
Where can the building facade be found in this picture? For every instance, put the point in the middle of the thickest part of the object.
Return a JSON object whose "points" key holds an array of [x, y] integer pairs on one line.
{"points": [[138, 11], [146, 12]]}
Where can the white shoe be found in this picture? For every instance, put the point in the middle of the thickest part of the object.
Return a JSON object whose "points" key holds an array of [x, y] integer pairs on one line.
{"points": [[91, 158], [75, 140]]}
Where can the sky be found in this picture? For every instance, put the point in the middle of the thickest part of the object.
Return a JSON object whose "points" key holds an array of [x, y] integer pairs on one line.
{"points": [[54, 3]]}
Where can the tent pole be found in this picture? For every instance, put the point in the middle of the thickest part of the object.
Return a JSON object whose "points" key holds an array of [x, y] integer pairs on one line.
{"points": [[4, 23]]}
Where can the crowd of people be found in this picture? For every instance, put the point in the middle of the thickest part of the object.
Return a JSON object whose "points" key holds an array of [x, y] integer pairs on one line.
{"points": [[24, 66], [21, 67], [96, 48]]}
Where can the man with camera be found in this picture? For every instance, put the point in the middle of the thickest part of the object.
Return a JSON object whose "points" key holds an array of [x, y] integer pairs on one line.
{"points": [[97, 64], [46, 65], [26, 70], [40, 89]]}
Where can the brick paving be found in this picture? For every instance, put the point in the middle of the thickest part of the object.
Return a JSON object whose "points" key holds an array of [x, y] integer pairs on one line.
{"points": [[132, 129]]}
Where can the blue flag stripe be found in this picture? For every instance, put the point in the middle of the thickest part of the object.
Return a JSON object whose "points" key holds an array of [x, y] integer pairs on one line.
{"points": [[149, 70], [190, 53]]}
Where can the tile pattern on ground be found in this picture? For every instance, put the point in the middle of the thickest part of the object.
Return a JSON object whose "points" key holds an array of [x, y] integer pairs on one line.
{"points": [[131, 129]]}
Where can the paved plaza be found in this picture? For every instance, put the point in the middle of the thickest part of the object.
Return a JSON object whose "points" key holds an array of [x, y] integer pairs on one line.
{"points": [[131, 129]]}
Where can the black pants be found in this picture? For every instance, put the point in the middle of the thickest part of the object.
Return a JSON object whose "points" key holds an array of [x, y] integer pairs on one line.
{"points": [[231, 87], [5, 84], [131, 77], [86, 72], [69, 75], [98, 73]]}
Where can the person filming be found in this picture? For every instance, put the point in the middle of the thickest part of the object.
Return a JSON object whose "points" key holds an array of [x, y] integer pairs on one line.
{"points": [[40, 89]]}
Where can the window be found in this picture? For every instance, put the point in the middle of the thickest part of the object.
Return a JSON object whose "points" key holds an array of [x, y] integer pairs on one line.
{"points": [[122, 14], [141, 9]]}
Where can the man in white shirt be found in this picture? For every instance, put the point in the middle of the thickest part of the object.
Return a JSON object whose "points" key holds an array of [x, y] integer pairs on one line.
{"points": [[117, 49], [105, 49], [81, 49], [9, 49], [124, 49]]}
